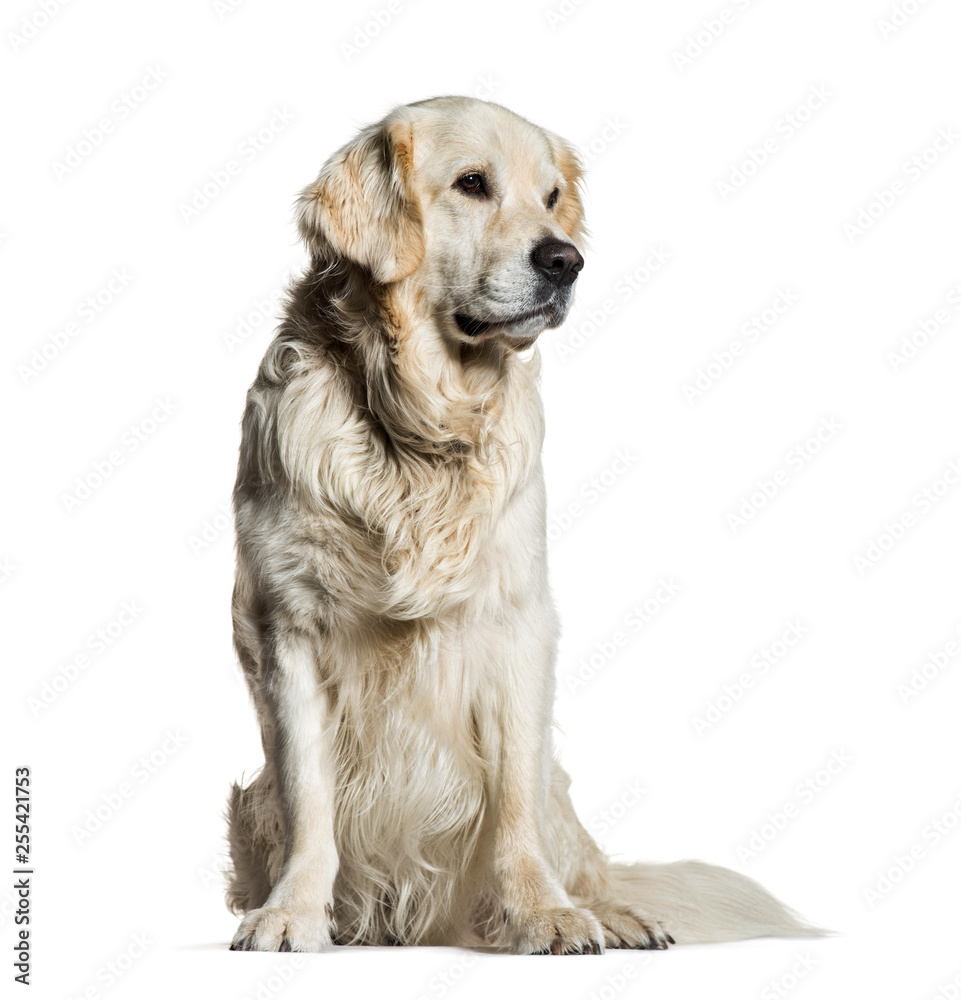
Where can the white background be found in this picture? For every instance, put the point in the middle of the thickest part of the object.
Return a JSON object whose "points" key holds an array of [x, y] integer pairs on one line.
{"points": [[180, 338]]}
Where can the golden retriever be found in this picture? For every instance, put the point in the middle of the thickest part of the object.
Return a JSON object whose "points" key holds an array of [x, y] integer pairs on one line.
{"points": [[391, 611]]}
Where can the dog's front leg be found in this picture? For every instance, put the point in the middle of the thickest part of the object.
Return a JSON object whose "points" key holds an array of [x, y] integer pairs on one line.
{"points": [[298, 913], [540, 916]]}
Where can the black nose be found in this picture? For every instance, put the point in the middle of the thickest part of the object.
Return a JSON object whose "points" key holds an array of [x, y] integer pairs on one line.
{"points": [[560, 263]]}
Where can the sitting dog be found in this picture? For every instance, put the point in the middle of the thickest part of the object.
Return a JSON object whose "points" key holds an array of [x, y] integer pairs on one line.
{"points": [[391, 611]]}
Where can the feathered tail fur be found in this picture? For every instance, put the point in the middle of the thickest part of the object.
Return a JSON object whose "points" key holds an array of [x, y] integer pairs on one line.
{"points": [[701, 903]]}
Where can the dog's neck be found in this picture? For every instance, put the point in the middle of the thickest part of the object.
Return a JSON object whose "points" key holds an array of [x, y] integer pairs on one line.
{"points": [[432, 397]]}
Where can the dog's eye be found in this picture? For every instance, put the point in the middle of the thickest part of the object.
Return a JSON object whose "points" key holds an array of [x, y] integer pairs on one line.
{"points": [[552, 198], [472, 184]]}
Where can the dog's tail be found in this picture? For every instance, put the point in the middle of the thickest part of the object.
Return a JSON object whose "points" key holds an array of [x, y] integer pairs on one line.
{"points": [[700, 903]]}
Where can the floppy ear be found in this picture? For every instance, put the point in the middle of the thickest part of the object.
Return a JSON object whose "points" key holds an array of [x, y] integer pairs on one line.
{"points": [[570, 211], [363, 206]]}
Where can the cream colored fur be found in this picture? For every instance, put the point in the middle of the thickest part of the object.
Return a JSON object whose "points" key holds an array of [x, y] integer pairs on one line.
{"points": [[392, 611]]}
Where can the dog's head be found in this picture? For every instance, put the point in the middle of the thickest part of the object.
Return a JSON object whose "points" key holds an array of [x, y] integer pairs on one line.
{"points": [[471, 203]]}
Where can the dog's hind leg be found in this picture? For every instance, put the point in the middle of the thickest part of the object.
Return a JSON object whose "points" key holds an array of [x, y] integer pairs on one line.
{"points": [[586, 874]]}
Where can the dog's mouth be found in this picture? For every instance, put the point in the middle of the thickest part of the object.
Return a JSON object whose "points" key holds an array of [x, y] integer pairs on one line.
{"points": [[472, 327], [476, 327]]}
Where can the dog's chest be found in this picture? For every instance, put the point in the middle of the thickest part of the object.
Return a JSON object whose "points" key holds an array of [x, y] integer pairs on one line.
{"points": [[470, 540]]}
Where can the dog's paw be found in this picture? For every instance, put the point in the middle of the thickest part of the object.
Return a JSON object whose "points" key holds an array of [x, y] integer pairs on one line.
{"points": [[289, 929], [557, 931], [630, 927]]}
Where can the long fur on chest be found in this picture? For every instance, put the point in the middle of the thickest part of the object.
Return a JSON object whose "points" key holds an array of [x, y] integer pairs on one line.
{"points": [[394, 454], [390, 504]]}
